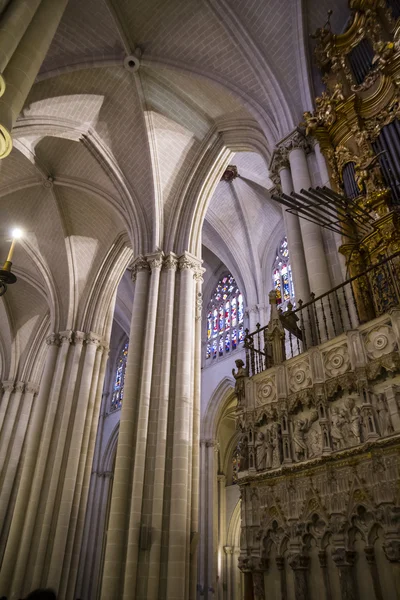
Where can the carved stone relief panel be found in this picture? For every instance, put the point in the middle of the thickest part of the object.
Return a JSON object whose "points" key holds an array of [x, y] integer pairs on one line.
{"points": [[379, 341], [266, 391], [336, 361], [299, 376]]}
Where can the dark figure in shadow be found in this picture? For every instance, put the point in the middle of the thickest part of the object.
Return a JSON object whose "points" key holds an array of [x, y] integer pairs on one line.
{"points": [[42, 594]]}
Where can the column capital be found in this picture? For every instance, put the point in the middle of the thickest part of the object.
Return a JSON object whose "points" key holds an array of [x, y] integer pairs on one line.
{"points": [[188, 261], [66, 337], [8, 386], [53, 339], [155, 260], [228, 549], [31, 388], [20, 386], [93, 338], [295, 141], [139, 264], [170, 262]]}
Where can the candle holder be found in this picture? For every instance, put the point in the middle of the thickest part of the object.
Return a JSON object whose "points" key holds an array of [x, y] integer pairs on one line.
{"points": [[6, 277]]}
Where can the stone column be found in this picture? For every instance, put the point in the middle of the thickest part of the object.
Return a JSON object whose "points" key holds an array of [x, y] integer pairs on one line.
{"points": [[344, 560], [19, 537], [370, 556], [78, 442], [325, 575], [122, 486], [292, 227], [391, 548], [317, 268], [300, 565], [24, 65], [9, 467], [258, 585], [194, 525], [13, 25], [168, 277], [182, 444], [229, 571], [138, 467], [8, 388], [10, 419], [280, 563]]}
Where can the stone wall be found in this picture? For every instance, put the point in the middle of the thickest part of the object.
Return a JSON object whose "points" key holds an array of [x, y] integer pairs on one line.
{"points": [[319, 470]]}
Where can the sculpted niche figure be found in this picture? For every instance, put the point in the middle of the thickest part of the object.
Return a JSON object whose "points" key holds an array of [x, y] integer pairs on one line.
{"points": [[260, 451], [385, 426], [337, 422], [239, 379], [300, 446]]}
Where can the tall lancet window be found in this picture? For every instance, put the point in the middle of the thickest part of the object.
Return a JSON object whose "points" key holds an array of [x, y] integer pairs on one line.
{"points": [[282, 275], [118, 391], [225, 329]]}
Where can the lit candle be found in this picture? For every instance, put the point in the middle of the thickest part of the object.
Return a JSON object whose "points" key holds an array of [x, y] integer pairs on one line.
{"points": [[16, 234]]}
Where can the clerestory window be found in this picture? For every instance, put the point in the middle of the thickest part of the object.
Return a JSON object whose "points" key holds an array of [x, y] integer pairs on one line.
{"points": [[118, 391], [225, 316], [282, 276]]}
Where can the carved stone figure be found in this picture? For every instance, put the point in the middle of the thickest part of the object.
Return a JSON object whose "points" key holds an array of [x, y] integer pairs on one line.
{"points": [[355, 423], [244, 455], [277, 446], [260, 451], [300, 428], [240, 380], [269, 449], [337, 422], [385, 426]]}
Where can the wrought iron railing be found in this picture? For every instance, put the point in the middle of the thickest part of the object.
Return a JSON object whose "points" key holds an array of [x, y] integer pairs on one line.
{"points": [[355, 301]]}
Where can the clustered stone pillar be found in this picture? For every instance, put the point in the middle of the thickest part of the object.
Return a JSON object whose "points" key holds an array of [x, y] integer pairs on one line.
{"points": [[27, 28], [306, 248], [152, 529], [50, 503]]}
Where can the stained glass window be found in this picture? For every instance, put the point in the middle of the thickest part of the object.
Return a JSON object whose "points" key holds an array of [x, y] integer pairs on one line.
{"points": [[225, 329], [118, 392], [282, 275]]}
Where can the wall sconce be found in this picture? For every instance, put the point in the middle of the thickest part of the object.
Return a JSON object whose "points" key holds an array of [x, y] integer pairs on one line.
{"points": [[6, 277]]}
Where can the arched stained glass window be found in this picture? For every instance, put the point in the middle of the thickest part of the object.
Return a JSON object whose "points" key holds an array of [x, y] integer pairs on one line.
{"points": [[118, 391], [282, 275], [225, 330]]}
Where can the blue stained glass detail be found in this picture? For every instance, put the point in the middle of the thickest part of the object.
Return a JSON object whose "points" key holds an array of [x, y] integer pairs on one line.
{"points": [[118, 392]]}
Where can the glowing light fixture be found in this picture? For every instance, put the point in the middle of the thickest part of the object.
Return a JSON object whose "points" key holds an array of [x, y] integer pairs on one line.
{"points": [[6, 277]]}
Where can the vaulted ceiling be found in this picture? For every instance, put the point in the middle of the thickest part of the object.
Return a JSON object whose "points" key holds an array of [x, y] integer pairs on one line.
{"points": [[111, 161]]}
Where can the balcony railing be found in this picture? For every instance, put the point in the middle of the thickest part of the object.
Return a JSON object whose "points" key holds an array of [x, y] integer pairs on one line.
{"points": [[355, 301]]}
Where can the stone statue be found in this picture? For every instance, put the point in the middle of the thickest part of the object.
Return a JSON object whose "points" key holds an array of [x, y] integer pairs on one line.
{"points": [[244, 455], [269, 449], [337, 422], [385, 426], [260, 451], [355, 423], [300, 428], [239, 380]]}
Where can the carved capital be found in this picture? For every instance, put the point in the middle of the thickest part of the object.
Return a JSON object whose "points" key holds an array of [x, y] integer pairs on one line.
{"points": [[298, 561], [392, 551], [8, 386], [343, 557], [170, 262], [296, 141], [31, 388], [188, 261], [228, 549], [53, 339], [66, 337], [93, 338], [79, 337], [139, 264], [20, 386], [155, 260]]}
